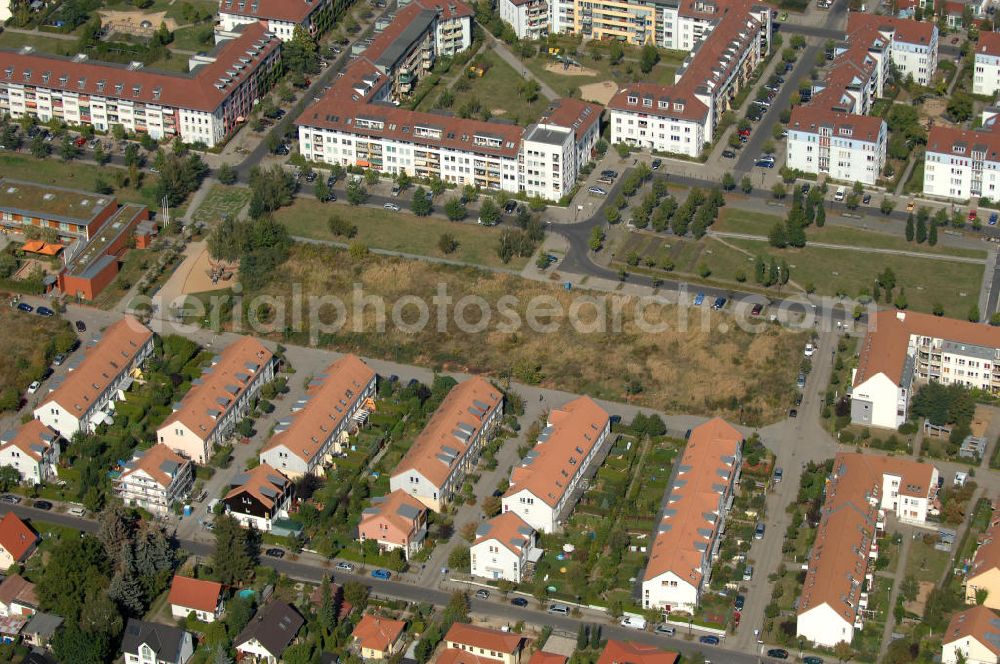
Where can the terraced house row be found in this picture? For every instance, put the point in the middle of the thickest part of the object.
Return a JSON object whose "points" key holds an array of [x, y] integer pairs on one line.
{"points": [[205, 106]]}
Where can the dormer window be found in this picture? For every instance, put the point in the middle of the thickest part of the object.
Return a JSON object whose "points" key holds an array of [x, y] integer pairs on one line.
{"points": [[647, 102], [135, 90], [100, 85], [119, 88], [633, 100], [45, 77], [663, 104], [678, 106], [27, 74]]}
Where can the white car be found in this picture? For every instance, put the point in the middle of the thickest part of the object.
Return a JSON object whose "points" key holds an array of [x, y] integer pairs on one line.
{"points": [[634, 622], [810, 349], [34, 387], [391, 206], [347, 567]]}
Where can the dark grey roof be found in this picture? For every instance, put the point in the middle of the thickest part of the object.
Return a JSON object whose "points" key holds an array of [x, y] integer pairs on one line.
{"points": [[408, 512], [164, 640], [274, 626], [43, 624], [546, 135], [416, 29]]}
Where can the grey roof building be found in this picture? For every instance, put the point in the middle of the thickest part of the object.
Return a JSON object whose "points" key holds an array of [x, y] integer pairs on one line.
{"points": [[145, 640], [269, 632]]}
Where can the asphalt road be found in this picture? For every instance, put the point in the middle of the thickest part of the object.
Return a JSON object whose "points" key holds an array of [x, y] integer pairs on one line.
{"points": [[313, 570]]}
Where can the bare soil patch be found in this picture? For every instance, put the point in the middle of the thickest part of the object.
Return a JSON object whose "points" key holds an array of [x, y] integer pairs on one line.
{"points": [[136, 23], [599, 93], [567, 69]]}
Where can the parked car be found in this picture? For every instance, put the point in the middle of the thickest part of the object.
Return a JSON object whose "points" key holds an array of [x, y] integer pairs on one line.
{"points": [[345, 567], [78, 512], [740, 602], [609, 174], [778, 474], [396, 189], [633, 622], [25, 307], [656, 164], [34, 386], [719, 303], [758, 532], [44, 311], [810, 659], [10, 499], [866, 199], [519, 601], [709, 640], [510, 207], [993, 219], [810, 349], [972, 215], [383, 574], [909, 206], [748, 573], [777, 653], [793, 413], [699, 299], [757, 308], [666, 630], [59, 359], [729, 154], [391, 206], [801, 381], [597, 191], [558, 609], [482, 593], [765, 163], [274, 553], [42, 505]]}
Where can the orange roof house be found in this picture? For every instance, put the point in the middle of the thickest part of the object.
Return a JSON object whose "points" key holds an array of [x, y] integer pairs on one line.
{"points": [[377, 637], [17, 596], [630, 652], [471, 644], [203, 598], [396, 521], [984, 573], [681, 555], [972, 636], [503, 547], [450, 443], [542, 657], [17, 540]]}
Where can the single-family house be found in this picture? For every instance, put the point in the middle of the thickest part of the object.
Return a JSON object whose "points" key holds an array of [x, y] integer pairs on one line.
{"points": [[268, 634], [376, 637], [630, 652], [470, 643], [983, 576], [40, 629], [503, 548], [198, 596], [17, 540], [17, 597], [153, 643], [32, 450], [972, 637], [396, 521], [258, 497]]}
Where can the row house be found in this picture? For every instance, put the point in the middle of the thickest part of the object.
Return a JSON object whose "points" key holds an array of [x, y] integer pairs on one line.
{"points": [[206, 105], [335, 403], [449, 446], [33, 451], [904, 349], [397, 522], [218, 400], [155, 479], [686, 539], [983, 574], [80, 399], [543, 487], [280, 16]]}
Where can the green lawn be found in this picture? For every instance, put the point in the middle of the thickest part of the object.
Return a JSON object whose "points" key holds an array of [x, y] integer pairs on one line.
{"points": [[397, 231], [496, 92], [40, 43], [926, 563], [74, 175], [734, 220], [187, 39], [927, 281], [221, 201]]}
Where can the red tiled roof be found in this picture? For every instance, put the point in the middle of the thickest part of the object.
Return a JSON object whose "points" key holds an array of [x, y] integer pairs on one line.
{"points": [[488, 639], [195, 91], [290, 11], [152, 461], [377, 633], [630, 652], [845, 125], [885, 344], [508, 529], [987, 556], [16, 537], [259, 479], [574, 114], [388, 508], [456, 656], [16, 588], [979, 622], [542, 657], [902, 29], [989, 43], [945, 140], [197, 594], [32, 437], [691, 108]]}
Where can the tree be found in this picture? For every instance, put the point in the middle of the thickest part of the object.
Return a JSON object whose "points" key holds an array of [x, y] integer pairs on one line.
{"points": [[887, 205], [820, 216], [421, 204], [100, 155], [447, 243], [235, 550], [356, 193], [648, 59], [114, 530], [327, 612], [125, 588], [974, 315], [226, 174], [300, 54], [615, 52], [595, 631], [457, 609], [459, 558], [778, 237], [596, 238], [932, 236], [728, 181], [746, 185], [341, 227], [455, 209], [960, 106], [778, 190], [489, 212], [921, 231], [40, 149], [843, 651], [909, 227]]}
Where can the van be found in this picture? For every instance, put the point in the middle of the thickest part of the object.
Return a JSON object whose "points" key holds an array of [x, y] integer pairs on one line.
{"points": [[559, 609], [633, 621], [77, 512], [748, 573], [841, 193]]}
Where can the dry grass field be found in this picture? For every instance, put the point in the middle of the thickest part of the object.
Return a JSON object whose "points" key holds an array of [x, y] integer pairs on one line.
{"points": [[703, 366], [30, 342]]}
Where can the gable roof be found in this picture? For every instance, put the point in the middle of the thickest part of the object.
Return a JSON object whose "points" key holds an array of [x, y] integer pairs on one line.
{"points": [[542, 657], [443, 442], [509, 529], [16, 588], [220, 386], [398, 508], [43, 624], [691, 514], [33, 439], [377, 633], [979, 622], [16, 537], [549, 467], [289, 11], [159, 462], [198, 594], [961, 143], [812, 117], [274, 626], [987, 556], [630, 652], [988, 44], [885, 344], [323, 409], [164, 640], [482, 637], [97, 365], [264, 483]]}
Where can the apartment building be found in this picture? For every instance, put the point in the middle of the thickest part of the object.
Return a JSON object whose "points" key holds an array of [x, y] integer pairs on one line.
{"points": [[503, 548], [528, 18], [839, 574], [71, 215], [851, 148], [543, 487], [96, 375], [960, 164], [258, 497], [435, 465], [903, 349], [205, 106], [396, 522], [911, 46], [688, 22], [320, 423], [681, 118], [218, 401], [972, 637], [471, 643], [686, 539], [986, 75], [33, 451], [155, 479], [280, 16], [983, 575]]}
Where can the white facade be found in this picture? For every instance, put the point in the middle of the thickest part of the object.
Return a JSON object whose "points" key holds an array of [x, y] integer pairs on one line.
{"points": [[32, 470], [908, 508], [879, 402], [836, 147], [155, 486], [452, 35], [549, 161], [915, 59], [669, 589], [146, 655], [283, 30], [823, 626], [492, 560], [529, 19], [967, 649], [986, 74], [662, 134], [960, 164]]}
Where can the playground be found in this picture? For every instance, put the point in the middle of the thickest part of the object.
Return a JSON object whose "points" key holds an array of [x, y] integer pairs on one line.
{"points": [[137, 23]]}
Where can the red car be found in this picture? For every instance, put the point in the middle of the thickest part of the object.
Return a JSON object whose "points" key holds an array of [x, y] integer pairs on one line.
{"points": [[744, 132], [972, 215], [80, 141]]}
